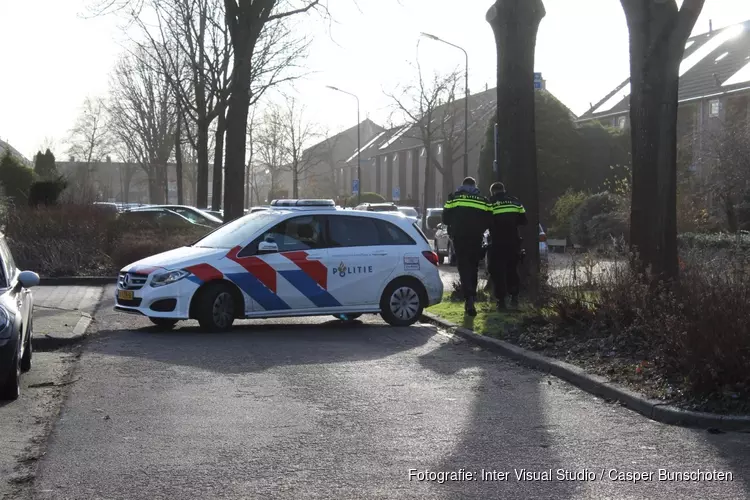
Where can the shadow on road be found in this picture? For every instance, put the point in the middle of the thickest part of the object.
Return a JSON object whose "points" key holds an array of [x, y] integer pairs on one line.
{"points": [[507, 430], [259, 346]]}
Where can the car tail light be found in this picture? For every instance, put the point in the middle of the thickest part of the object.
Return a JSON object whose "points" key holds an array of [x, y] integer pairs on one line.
{"points": [[542, 237], [431, 256]]}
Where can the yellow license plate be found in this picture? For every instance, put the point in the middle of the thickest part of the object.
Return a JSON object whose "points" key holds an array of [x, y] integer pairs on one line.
{"points": [[125, 294]]}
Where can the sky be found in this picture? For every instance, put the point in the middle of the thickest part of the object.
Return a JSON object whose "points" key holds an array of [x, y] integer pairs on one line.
{"points": [[54, 56]]}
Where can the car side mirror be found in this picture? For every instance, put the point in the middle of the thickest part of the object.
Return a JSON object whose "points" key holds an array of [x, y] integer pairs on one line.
{"points": [[268, 247], [28, 279]]}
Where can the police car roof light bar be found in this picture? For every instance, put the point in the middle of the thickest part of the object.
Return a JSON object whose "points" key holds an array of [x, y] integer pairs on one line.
{"points": [[303, 203]]}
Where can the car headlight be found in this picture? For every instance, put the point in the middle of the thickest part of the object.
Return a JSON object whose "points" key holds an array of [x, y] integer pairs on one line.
{"points": [[5, 321], [168, 277]]}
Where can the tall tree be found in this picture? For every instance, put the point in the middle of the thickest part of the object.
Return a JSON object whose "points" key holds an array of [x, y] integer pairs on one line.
{"points": [[44, 165], [658, 33], [90, 143], [271, 151], [300, 145], [247, 20], [419, 104], [143, 115], [515, 24]]}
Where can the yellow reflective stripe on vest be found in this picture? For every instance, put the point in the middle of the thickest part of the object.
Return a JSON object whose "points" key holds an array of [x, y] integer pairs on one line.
{"points": [[507, 209], [468, 204]]}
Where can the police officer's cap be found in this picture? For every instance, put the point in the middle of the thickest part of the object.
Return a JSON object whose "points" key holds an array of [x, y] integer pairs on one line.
{"points": [[469, 181], [497, 187]]}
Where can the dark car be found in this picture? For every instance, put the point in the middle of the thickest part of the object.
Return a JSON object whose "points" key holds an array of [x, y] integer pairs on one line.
{"points": [[195, 215], [158, 216], [16, 323]]}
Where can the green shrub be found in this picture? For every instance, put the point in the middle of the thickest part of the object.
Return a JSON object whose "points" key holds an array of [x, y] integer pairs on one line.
{"points": [[79, 240], [714, 241], [15, 178], [598, 219], [353, 201], [563, 211]]}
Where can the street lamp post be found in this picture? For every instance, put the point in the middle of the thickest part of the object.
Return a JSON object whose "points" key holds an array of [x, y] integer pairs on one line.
{"points": [[466, 101], [359, 149]]}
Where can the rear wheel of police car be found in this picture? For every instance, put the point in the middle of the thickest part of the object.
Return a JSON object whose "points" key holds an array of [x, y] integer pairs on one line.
{"points": [[402, 302], [215, 307]]}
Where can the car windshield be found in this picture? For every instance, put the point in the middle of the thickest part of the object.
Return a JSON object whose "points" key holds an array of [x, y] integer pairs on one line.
{"points": [[409, 212], [237, 232]]}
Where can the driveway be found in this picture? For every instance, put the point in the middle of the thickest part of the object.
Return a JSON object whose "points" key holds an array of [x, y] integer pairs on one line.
{"points": [[316, 408]]}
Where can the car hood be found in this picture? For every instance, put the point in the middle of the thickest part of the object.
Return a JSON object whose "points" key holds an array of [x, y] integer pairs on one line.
{"points": [[174, 259]]}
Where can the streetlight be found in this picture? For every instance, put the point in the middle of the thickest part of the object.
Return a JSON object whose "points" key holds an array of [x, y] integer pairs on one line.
{"points": [[359, 149], [466, 103]]}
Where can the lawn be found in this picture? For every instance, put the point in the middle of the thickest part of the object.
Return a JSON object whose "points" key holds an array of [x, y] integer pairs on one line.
{"points": [[488, 321]]}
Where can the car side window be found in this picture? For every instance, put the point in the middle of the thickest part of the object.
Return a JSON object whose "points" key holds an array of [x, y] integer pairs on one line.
{"points": [[297, 233], [349, 231], [390, 234]]}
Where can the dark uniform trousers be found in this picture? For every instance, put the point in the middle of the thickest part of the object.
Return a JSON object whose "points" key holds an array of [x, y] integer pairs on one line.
{"points": [[505, 250], [468, 256], [503, 268]]}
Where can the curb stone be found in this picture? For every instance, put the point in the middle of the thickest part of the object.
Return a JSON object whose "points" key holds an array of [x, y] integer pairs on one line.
{"points": [[48, 342], [597, 385], [78, 280]]}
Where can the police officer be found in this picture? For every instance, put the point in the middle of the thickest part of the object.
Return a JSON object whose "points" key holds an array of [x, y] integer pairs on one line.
{"points": [[467, 214], [505, 248]]}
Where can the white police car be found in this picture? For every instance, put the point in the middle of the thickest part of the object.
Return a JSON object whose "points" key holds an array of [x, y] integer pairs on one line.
{"points": [[299, 258]]}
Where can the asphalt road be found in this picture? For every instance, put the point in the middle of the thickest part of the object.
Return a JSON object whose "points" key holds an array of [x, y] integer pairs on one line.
{"points": [[320, 409]]}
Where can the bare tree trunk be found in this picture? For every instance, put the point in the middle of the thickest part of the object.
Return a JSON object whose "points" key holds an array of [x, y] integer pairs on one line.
{"points": [[236, 130], [427, 182], [165, 180], [201, 196], [295, 182], [178, 158], [658, 32], [218, 163], [515, 24]]}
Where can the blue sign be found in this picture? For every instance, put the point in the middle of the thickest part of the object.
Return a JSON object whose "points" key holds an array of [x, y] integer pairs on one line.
{"points": [[537, 77], [396, 195], [537, 85], [355, 186]]}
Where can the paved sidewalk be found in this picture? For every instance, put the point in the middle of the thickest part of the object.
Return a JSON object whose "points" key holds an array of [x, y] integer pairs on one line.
{"points": [[62, 313]]}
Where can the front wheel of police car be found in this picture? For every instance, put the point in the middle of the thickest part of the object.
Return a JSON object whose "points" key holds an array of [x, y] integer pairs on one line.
{"points": [[402, 302], [216, 307]]}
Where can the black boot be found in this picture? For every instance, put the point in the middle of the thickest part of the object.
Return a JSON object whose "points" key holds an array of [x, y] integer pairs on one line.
{"points": [[469, 307]]}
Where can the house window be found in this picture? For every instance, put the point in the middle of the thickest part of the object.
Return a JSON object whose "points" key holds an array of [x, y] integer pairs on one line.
{"points": [[621, 122], [422, 152], [714, 106]]}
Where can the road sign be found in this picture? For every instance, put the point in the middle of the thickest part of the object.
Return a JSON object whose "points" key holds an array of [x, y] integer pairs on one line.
{"points": [[396, 195], [538, 81], [355, 186]]}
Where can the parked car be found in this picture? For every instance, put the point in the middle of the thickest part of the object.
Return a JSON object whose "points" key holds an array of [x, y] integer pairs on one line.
{"points": [[219, 214], [159, 216], [16, 322], [410, 212], [377, 207], [434, 218], [443, 245], [299, 258], [252, 210], [195, 215]]}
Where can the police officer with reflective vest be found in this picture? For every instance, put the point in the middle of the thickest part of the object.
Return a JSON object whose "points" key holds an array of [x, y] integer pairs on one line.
{"points": [[467, 215], [504, 252]]}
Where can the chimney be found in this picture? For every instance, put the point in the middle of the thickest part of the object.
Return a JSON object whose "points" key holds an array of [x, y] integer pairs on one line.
{"points": [[109, 159], [710, 26]]}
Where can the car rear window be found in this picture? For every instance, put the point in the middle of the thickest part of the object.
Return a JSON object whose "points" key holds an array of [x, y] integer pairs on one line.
{"points": [[419, 230], [390, 234], [348, 231]]}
